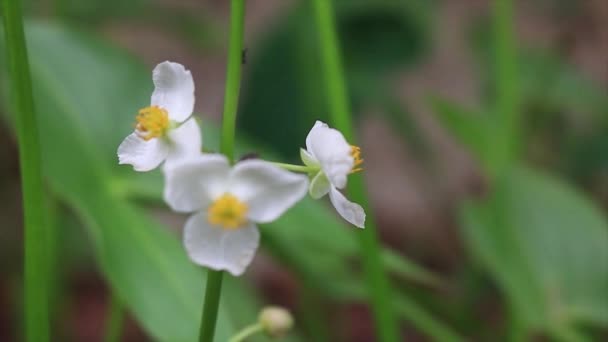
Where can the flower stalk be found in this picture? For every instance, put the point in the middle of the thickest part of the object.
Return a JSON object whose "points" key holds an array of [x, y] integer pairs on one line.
{"points": [[35, 267], [231, 96], [376, 279], [247, 332], [297, 168]]}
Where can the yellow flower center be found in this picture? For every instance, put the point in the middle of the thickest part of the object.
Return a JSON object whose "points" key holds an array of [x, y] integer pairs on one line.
{"points": [[152, 122], [227, 211], [355, 152]]}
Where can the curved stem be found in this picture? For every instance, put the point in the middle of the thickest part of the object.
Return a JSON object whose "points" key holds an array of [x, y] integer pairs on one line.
{"points": [[233, 80], [35, 273], [248, 331], [375, 275]]}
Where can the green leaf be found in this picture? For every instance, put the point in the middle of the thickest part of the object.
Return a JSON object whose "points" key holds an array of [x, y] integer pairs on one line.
{"points": [[547, 247]]}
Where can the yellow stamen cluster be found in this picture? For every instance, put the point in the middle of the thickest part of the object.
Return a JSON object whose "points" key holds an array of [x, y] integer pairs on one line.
{"points": [[227, 211], [152, 122], [355, 152]]}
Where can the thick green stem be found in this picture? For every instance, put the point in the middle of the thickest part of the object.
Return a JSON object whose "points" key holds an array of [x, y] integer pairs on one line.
{"points": [[231, 97], [247, 332], [114, 320], [213, 291], [36, 297], [376, 279]]}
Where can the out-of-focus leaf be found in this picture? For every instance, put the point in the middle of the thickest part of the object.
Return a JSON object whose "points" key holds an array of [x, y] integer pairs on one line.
{"points": [[587, 157], [421, 318], [558, 87], [282, 89], [379, 36], [95, 11], [547, 246], [549, 85], [469, 127], [84, 93]]}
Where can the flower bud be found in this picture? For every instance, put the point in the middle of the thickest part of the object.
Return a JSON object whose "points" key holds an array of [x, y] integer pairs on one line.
{"points": [[276, 321]]}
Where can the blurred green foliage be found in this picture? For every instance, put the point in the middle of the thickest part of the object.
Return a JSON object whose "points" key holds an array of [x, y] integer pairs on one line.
{"points": [[542, 243]]}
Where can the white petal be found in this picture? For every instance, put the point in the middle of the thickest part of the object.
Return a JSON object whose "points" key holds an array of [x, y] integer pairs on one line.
{"points": [[143, 155], [319, 186], [351, 212], [192, 185], [313, 131], [186, 142], [308, 159], [332, 151], [268, 190], [218, 248], [173, 90]]}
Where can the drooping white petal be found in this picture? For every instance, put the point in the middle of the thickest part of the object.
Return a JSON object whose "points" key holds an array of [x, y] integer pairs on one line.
{"points": [[143, 155], [186, 142], [218, 248], [332, 151], [351, 212], [193, 184], [173, 90], [319, 186], [267, 190]]}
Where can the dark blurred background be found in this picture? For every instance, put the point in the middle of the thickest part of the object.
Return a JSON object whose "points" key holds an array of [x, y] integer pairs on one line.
{"points": [[421, 76]]}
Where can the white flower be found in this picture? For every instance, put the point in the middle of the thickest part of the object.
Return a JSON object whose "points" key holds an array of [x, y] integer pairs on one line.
{"points": [[227, 203], [163, 130], [328, 151]]}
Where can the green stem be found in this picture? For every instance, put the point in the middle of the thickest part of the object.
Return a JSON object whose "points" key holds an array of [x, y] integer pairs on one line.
{"points": [[296, 168], [375, 275], [233, 76], [115, 320], [233, 82], [506, 123], [36, 297], [248, 331], [213, 290]]}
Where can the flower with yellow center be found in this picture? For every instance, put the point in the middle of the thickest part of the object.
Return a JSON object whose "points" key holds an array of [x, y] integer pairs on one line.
{"points": [[152, 122], [227, 211], [328, 152], [227, 202], [164, 131]]}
